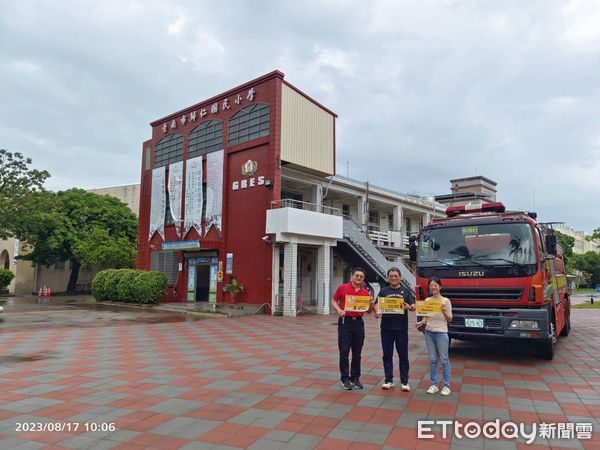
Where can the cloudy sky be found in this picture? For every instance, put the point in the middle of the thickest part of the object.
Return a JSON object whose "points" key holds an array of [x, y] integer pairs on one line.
{"points": [[425, 90]]}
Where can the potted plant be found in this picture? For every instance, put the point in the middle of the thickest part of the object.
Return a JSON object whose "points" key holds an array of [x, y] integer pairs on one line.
{"points": [[234, 287]]}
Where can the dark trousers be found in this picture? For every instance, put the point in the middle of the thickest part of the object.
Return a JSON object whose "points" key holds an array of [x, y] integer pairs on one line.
{"points": [[399, 338], [351, 336]]}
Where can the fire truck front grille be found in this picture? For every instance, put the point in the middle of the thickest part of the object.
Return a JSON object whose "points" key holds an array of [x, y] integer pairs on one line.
{"points": [[494, 323], [486, 294]]}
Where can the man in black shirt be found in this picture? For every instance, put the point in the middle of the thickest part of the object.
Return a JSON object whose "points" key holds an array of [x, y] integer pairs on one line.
{"points": [[394, 329]]}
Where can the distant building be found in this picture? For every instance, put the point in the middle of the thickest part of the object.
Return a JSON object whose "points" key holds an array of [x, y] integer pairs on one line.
{"points": [[581, 245], [473, 190], [128, 194], [23, 270]]}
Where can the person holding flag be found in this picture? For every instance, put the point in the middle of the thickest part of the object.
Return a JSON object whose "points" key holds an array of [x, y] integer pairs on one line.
{"points": [[351, 300], [392, 305]]}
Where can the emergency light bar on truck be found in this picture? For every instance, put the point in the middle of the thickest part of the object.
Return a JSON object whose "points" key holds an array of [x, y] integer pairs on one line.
{"points": [[453, 211]]}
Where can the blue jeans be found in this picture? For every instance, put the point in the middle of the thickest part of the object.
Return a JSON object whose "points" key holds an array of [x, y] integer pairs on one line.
{"points": [[437, 344]]}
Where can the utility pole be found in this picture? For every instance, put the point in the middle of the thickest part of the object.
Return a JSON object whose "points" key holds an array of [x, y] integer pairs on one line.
{"points": [[366, 213]]}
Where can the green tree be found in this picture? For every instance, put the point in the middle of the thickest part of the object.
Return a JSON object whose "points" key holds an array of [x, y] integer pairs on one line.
{"points": [[566, 243], [17, 182], [589, 264], [81, 227], [102, 250]]}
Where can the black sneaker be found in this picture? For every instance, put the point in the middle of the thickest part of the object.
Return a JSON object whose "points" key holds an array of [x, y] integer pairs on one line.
{"points": [[347, 385], [357, 384]]}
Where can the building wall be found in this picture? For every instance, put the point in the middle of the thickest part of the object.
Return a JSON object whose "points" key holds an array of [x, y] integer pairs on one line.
{"points": [[128, 194], [581, 245], [245, 220], [23, 270], [306, 133], [478, 184], [243, 209]]}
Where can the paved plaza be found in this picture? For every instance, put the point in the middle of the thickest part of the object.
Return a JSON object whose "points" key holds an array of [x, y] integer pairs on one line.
{"points": [[264, 382]]}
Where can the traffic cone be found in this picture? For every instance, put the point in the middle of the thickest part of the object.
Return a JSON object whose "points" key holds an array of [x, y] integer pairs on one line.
{"points": [[40, 293], [49, 292], [45, 292]]}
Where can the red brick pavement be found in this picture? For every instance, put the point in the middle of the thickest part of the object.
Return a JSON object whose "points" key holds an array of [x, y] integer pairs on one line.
{"points": [[268, 382]]}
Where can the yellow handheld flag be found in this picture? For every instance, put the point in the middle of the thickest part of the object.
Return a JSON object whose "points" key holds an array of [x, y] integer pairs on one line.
{"points": [[429, 307], [391, 305], [358, 303]]}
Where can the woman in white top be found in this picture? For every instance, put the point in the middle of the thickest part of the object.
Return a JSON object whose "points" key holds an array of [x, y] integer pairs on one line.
{"points": [[436, 337]]}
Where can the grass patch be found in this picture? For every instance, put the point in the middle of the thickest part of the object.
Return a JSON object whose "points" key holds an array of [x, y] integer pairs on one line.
{"points": [[596, 305], [584, 291]]}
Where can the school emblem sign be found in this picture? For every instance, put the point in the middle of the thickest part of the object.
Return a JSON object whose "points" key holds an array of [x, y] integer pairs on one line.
{"points": [[249, 168]]}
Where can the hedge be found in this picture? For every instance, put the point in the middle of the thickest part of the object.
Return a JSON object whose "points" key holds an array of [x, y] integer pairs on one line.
{"points": [[111, 283], [6, 277], [125, 284], [129, 285], [98, 284], [148, 287]]}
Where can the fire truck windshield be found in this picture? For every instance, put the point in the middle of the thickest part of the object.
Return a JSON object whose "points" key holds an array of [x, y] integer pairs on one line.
{"points": [[477, 245]]}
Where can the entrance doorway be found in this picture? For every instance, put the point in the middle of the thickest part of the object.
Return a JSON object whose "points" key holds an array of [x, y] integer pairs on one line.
{"points": [[202, 277], [202, 283]]}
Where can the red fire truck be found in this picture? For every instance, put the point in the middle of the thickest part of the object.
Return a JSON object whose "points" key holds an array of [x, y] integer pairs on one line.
{"points": [[503, 272]]}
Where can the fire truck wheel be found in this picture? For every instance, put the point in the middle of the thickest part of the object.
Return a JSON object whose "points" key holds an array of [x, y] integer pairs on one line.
{"points": [[546, 348], [567, 328]]}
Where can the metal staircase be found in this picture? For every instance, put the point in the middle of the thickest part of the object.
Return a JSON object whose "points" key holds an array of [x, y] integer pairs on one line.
{"points": [[357, 240]]}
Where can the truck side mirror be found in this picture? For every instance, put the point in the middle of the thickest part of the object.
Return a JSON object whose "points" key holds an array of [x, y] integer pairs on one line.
{"points": [[412, 247], [551, 244]]}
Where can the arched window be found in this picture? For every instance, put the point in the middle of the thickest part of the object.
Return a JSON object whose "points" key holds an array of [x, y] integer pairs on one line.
{"points": [[205, 138], [4, 260], [168, 150], [249, 123]]}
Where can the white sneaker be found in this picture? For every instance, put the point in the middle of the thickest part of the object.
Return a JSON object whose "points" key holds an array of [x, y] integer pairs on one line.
{"points": [[432, 389], [445, 390], [405, 387], [387, 385]]}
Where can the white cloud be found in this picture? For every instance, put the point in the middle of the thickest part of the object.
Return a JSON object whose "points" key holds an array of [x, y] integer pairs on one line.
{"points": [[334, 58], [561, 105], [177, 26], [22, 67], [582, 25], [203, 51]]}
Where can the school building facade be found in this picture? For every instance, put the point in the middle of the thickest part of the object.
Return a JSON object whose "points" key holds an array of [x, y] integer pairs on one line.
{"points": [[243, 185]]}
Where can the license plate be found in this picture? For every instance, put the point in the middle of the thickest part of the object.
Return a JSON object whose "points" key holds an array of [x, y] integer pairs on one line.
{"points": [[474, 323]]}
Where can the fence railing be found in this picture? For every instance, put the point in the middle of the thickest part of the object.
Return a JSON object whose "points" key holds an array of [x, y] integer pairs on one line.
{"points": [[306, 206], [362, 241]]}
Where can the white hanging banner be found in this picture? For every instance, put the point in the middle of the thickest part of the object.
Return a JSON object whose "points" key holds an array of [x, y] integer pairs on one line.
{"points": [[175, 187], [193, 195], [158, 203], [214, 190], [16, 252]]}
